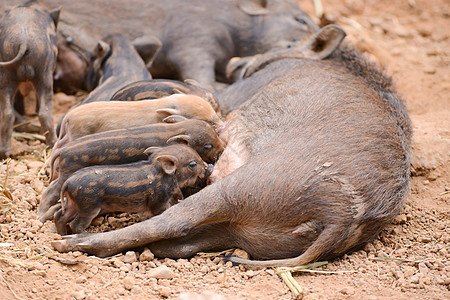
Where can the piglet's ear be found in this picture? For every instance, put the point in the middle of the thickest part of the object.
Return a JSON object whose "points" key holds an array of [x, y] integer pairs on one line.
{"points": [[165, 112], [54, 14], [180, 139], [174, 119], [150, 150], [168, 163], [102, 49]]}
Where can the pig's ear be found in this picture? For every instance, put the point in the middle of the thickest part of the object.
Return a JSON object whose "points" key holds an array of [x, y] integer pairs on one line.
{"points": [[168, 163], [165, 112], [102, 49], [147, 46], [150, 150], [253, 7], [324, 42], [180, 139], [54, 14], [174, 119]]}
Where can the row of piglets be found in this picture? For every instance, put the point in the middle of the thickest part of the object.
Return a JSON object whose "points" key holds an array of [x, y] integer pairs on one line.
{"points": [[113, 156]]}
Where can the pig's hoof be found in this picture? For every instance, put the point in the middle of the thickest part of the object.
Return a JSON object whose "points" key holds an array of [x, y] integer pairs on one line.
{"points": [[61, 246], [84, 242], [74, 242]]}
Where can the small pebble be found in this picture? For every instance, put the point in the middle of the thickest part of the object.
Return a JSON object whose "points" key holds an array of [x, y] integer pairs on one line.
{"points": [[128, 282], [161, 272], [165, 291], [129, 257]]}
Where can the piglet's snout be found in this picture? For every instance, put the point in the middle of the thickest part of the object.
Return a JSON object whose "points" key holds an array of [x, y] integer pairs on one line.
{"points": [[209, 170]]}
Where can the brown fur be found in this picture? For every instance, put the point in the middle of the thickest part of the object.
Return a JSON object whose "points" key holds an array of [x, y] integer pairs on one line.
{"points": [[153, 185], [97, 117], [125, 146]]}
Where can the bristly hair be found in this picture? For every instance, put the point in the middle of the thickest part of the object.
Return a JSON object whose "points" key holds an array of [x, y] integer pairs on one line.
{"points": [[382, 84]]}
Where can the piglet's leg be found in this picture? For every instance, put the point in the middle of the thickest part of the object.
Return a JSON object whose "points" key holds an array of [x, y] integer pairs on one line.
{"points": [[49, 214], [84, 219], [202, 208], [61, 218], [50, 197], [45, 97]]}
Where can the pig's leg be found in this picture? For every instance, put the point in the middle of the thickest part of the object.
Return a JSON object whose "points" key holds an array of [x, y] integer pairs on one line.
{"points": [[49, 198], [205, 207], [328, 239], [44, 92], [211, 237], [6, 120]]}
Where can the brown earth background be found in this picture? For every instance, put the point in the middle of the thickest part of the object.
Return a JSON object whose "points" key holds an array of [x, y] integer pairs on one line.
{"points": [[408, 260]]}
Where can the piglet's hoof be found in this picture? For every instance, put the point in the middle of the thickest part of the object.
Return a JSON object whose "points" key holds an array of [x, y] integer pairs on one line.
{"points": [[48, 215]]}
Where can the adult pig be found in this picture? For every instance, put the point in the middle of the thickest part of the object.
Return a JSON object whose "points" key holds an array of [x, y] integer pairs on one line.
{"points": [[152, 185], [27, 54], [321, 158], [123, 146], [198, 36]]}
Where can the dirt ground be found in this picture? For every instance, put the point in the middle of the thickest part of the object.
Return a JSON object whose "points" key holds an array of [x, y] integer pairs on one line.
{"points": [[409, 259]]}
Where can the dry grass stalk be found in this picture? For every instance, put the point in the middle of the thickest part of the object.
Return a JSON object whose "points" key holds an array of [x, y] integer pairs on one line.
{"points": [[21, 124], [292, 284], [12, 291], [318, 8], [215, 254], [28, 136], [400, 259]]}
